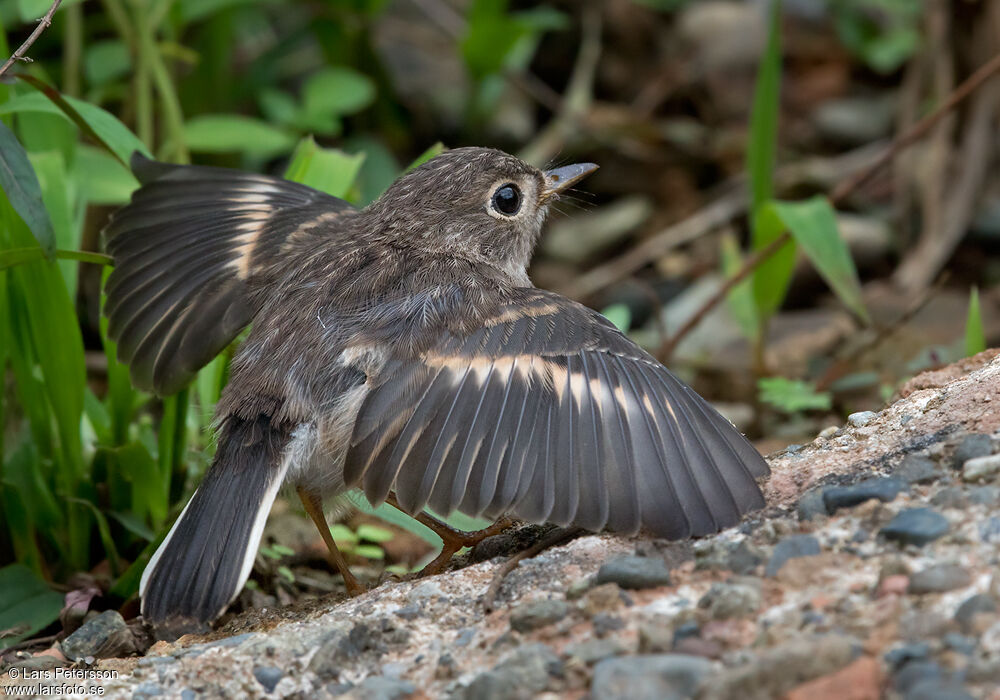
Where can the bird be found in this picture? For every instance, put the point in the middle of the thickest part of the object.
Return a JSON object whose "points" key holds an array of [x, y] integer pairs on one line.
{"points": [[401, 350]]}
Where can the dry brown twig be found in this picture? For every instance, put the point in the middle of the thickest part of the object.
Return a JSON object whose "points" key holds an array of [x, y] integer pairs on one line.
{"points": [[19, 55], [845, 188]]}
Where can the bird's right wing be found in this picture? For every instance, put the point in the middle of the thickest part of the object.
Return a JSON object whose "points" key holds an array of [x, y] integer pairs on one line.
{"points": [[184, 251]]}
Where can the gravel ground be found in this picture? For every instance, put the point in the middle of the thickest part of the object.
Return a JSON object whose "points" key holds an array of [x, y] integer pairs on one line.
{"points": [[871, 574]]}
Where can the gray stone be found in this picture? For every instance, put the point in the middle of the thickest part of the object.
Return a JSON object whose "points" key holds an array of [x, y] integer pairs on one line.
{"points": [[268, 676], [730, 599], [989, 529], [854, 121], [382, 688], [657, 677], [524, 673], [811, 505], [791, 547], [949, 497], [899, 656], [937, 689], [591, 651], [970, 447], [915, 469], [145, 690], [981, 468], [972, 606], [938, 579], [883, 489], [102, 636], [656, 638], [960, 643], [861, 418], [916, 526], [635, 572], [914, 672], [537, 613]]}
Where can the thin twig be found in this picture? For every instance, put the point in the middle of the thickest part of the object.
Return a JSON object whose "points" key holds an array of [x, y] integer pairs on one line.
{"points": [[43, 24], [844, 189], [554, 538]]}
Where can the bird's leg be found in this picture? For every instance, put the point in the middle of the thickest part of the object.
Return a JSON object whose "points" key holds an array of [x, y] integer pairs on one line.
{"points": [[314, 507], [453, 539]]}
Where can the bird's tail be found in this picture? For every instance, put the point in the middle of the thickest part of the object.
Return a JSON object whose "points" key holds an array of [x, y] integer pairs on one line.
{"points": [[207, 556]]}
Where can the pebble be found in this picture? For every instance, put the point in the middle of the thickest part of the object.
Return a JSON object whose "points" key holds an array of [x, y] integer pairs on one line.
{"points": [[899, 656], [658, 638], [913, 672], [791, 547], [960, 643], [147, 690], [861, 418], [537, 614], [989, 529], [970, 447], [972, 606], [949, 497], [915, 469], [728, 600], [859, 680], [102, 636], [936, 689], [383, 688], [649, 677], [811, 505], [980, 468], [524, 673], [883, 489], [939, 579], [591, 651], [916, 526], [635, 572], [268, 676]]}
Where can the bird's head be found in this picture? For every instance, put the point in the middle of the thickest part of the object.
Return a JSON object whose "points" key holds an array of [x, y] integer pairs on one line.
{"points": [[477, 203]]}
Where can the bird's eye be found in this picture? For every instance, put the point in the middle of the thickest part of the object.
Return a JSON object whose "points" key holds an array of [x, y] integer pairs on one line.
{"points": [[507, 199]]}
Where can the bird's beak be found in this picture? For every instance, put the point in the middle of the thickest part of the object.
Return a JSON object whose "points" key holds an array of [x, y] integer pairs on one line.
{"points": [[561, 179]]}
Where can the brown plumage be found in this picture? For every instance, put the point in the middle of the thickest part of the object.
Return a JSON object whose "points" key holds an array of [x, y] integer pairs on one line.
{"points": [[400, 347]]}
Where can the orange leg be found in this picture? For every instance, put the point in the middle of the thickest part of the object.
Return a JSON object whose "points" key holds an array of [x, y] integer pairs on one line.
{"points": [[314, 507], [453, 539]]}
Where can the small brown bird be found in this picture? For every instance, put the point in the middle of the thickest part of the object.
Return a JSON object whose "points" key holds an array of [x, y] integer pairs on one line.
{"points": [[400, 349]]}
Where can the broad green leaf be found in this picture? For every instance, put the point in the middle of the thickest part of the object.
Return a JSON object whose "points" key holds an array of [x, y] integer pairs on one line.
{"points": [[342, 533], [59, 195], [373, 533], [337, 91], [325, 169], [813, 225], [369, 551], [19, 256], [792, 395], [772, 277], [27, 605], [97, 123], [490, 37], [20, 184], [105, 61], [975, 337], [234, 133], [740, 300], [620, 315], [101, 178]]}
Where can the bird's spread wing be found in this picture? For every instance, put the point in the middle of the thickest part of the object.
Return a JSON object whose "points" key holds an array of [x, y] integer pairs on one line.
{"points": [[548, 413], [184, 250]]}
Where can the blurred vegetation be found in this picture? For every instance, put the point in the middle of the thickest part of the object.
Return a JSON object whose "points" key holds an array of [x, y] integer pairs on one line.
{"points": [[93, 470]]}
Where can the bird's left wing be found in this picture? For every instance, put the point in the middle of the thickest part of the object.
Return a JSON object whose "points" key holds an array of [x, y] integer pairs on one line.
{"points": [[548, 413]]}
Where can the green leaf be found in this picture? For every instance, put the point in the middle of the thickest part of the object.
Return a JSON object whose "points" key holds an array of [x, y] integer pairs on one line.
{"points": [[27, 605], [772, 277], [432, 152], [336, 91], [620, 315], [285, 572], [325, 169], [19, 256], [369, 551], [234, 133], [491, 36], [764, 116], [342, 533], [102, 178], [792, 395], [106, 61], [20, 184], [98, 124], [740, 300], [373, 533], [975, 337], [813, 224]]}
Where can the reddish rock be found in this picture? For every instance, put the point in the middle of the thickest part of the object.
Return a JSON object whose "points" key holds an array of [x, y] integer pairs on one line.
{"points": [[859, 680]]}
